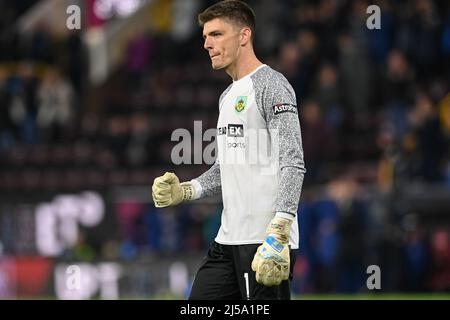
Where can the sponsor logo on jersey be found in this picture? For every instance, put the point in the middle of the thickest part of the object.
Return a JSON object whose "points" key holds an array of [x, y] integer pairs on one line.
{"points": [[221, 131], [236, 145], [241, 103], [235, 130], [284, 107]]}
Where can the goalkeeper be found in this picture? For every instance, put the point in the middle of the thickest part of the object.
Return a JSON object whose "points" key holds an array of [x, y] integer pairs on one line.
{"points": [[253, 254]]}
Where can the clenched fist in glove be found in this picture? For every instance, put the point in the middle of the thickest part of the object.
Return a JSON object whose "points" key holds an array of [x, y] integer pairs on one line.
{"points": [[168, 191], [271, 261]]}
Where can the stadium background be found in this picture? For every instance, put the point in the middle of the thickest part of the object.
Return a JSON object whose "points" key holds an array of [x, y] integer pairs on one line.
{"points": [[86, 118]]}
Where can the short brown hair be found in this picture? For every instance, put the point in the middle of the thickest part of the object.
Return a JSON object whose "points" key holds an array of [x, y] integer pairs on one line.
{"points": [[234, 10]]}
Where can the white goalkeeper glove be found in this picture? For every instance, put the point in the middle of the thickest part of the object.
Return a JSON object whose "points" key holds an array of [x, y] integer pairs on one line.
{"points": [[271, 261], [168, 191]]}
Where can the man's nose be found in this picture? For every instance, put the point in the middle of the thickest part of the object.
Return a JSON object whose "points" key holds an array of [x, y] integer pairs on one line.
{"points": [[207, 44]]}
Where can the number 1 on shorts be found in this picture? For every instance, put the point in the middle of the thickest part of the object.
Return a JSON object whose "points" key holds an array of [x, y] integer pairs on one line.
{"points": [[247, 288]]}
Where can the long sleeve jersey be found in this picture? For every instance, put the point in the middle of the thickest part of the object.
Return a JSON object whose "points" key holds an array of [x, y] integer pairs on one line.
{"points": [[260, 167]]}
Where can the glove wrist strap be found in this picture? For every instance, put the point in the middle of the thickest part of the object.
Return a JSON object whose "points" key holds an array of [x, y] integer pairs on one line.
{"points": [[280, 228], [188, 192]]}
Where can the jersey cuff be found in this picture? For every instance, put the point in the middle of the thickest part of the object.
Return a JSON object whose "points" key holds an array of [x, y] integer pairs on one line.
{"points": [[197, 189], [285, 215]]}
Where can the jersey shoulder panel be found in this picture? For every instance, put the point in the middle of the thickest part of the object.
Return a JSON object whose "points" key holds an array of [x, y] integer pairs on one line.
{"points": [[271, 87]]}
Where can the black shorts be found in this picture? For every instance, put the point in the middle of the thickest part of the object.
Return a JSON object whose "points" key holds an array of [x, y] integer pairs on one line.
{"points": [[226, 273]]}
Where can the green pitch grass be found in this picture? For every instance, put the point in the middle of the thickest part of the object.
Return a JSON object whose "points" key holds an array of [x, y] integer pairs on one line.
{"points": [[378, 296]]}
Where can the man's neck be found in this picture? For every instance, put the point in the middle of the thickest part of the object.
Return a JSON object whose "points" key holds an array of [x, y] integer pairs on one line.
{"points": [[243, 66]]}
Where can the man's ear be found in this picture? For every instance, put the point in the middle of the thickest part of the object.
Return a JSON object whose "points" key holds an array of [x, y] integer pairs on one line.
{"points": [[246, 35]]}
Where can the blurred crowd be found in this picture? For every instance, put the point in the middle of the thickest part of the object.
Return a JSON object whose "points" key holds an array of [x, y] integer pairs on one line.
{"points": [[374, 107], [376, 98]]}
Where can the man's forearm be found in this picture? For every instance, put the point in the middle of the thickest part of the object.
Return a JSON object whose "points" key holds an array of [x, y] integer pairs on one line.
{"points": [[291, 165], [291, 182], [209, 183]]}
